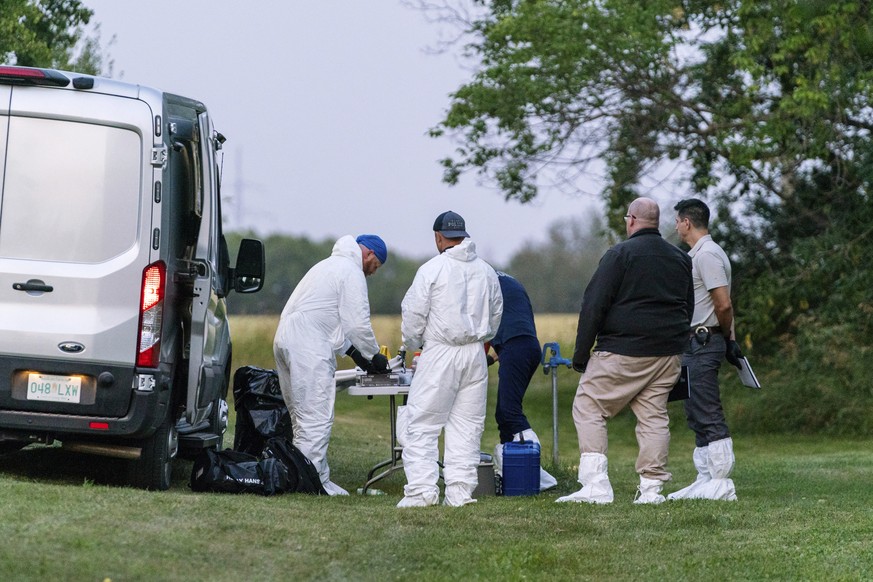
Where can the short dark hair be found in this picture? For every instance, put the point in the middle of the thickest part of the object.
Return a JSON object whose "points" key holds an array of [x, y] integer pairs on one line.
{"points": [[694, 210]]}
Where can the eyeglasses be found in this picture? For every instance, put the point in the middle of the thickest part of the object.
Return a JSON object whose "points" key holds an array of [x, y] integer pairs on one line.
{"points": [[626, 216]]}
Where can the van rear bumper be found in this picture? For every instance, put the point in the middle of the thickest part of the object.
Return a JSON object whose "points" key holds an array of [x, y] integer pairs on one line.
{"points": [[146, 411], [115, 410]]}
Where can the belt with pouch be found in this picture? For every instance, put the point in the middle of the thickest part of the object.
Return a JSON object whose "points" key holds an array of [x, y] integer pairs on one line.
{"points": [[711, 328], [703, 333]]}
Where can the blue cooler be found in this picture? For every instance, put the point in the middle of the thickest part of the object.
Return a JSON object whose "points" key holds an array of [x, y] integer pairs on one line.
{"points": [[521, 468]]}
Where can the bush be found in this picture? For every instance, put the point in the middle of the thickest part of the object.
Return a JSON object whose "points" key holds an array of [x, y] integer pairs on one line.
{"points": [[819, 382]]}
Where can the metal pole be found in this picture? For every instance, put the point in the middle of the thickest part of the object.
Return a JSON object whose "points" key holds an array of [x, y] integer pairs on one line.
{"points": [[555, 416], [551, 363]]}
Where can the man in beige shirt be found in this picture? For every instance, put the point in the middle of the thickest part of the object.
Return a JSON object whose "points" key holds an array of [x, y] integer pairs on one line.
{"points": [[712, 340]]}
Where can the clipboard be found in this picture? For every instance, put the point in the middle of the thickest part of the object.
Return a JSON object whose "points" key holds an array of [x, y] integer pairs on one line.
{"points": [[682, 389], [747, 376]]}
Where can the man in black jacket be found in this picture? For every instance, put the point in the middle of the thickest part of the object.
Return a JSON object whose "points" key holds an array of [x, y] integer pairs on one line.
{"points": [[635, 315]]}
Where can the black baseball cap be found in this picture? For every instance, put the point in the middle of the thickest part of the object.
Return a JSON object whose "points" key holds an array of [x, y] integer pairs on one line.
{"points": [[450, 225]]}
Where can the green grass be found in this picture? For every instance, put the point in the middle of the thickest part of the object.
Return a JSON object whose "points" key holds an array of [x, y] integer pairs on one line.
{"points": [[804, 513]]}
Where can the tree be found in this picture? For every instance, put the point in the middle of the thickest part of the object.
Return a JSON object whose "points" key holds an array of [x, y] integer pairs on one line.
{"points": [[49, 33], [753, 95], [767, 106], [556, 272], [767, 103]]}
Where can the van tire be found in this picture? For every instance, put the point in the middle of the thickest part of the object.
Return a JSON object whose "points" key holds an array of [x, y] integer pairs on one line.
{"points": [[154, 469]]}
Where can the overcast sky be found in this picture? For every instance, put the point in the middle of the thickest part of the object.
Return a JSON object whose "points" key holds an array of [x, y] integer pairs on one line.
{"points": [[326, 105]]}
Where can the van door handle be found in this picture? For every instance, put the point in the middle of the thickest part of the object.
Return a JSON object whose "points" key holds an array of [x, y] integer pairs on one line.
{"points": [[33, 285]]}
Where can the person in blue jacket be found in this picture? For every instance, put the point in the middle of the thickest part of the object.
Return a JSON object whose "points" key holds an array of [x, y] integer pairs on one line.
{"points": [[518, 351]]}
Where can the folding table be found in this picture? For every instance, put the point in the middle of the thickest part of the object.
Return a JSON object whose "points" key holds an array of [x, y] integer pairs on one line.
{"points": [[395, 461]]}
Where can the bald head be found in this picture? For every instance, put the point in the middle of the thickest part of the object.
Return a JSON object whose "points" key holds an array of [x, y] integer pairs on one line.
{"points": [[646, 211], [642, 213]]}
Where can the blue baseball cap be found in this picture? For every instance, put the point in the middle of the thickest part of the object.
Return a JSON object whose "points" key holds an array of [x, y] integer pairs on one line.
{"points": [[375, 244]]}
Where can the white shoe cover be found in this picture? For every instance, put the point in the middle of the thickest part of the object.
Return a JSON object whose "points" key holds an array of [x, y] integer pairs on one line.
{"points": [[721, 458], [594, 479], [546, 480], [418, 501], [333, 489], [719, 465], [458, 494], [716, 489], [587, 495], [497, 458], [461, 503], [689, 492], [649, 492], [701, 463]]}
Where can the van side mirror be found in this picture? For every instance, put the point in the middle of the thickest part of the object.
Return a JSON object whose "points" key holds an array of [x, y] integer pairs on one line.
{"points": [[248, 275]]}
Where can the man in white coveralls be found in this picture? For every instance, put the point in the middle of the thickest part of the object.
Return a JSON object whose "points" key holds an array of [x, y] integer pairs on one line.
{"points": [[452, 308], [328, 314]]}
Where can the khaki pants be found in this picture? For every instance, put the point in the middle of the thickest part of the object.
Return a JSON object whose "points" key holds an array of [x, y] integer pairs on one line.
{"points": [[611, 382]]}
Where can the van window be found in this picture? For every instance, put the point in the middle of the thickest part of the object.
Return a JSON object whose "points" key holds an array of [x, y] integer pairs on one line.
{"points": [[71, 191]]}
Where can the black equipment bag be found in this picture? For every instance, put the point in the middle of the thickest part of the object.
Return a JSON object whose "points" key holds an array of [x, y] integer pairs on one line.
{"points": [[260, 409], [302, 476], [231, 471]]}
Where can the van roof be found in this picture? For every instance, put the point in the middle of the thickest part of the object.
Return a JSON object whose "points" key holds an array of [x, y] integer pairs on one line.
{"points": [[72, 81]]}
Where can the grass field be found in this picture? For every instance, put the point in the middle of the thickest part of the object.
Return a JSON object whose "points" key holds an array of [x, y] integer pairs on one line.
{"points": [[804, 513]]}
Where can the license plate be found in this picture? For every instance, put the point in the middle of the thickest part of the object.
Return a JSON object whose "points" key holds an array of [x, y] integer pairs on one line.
{"points": [[54, 388]]}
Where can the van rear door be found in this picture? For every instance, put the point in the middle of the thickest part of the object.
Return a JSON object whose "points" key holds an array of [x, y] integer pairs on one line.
{"points": [[74, 239], [209, 333]]}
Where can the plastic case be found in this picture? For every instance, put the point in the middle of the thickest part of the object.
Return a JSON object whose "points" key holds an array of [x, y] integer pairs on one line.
{"points": [[521, 468]]}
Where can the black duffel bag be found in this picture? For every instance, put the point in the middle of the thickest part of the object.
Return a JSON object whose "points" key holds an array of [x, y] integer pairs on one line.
{"points": [[302, 476], [260, 409], [231, 471]]}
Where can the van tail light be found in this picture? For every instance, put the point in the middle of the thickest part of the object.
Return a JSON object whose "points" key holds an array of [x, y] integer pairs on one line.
{"points": [[151, 315], [30, 76]]}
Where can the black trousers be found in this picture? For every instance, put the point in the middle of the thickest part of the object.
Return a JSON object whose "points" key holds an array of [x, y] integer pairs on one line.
{"points": [[519, 358], [703, 410]]}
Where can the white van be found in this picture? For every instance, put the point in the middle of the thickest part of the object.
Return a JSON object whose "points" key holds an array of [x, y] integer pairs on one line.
{"points": [[113, 271]]}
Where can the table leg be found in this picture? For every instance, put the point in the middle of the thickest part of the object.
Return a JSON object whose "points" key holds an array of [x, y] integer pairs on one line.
{"points": [[395, 461]]}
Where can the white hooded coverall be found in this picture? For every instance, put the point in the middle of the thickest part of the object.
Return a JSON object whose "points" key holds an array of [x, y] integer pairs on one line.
{"points": [[328, 312], [453, 306]]}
